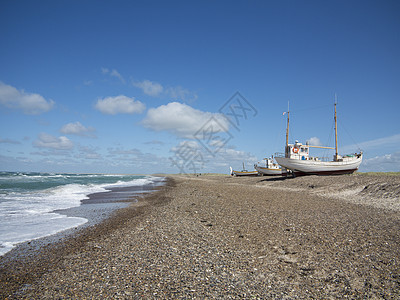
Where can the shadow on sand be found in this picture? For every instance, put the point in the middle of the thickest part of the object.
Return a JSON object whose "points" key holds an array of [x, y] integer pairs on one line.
{"points": [[278, 178]]}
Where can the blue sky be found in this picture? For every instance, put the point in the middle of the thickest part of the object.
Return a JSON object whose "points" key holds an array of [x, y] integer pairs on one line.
{"points": [[135, 86]]}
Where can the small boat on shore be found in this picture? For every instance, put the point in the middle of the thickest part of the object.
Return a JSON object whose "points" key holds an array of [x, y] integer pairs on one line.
{"points": [[271, 168], [297, 159], [244, 172]]}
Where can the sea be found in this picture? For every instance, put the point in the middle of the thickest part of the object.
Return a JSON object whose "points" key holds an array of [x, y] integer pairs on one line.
{"points": [[32, 204]]}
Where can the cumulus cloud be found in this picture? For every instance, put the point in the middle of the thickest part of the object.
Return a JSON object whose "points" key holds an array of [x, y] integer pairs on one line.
{"points": [[155, 89], [121, 151], [88, 153], [235, 159], [190, 156], [314, 141], [119, 105], [135, 158], [379, 163], [389, 142], [383, 163], [193, 146], [29, 103], [48, 141], [150, 88], [116, 74], [78, 129], [385, 141], [113, 73], [182, 120], [179, 93]]}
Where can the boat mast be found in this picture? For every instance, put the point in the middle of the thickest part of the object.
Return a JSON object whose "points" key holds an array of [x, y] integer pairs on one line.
{"points": [[287, 134], [336, 144]]}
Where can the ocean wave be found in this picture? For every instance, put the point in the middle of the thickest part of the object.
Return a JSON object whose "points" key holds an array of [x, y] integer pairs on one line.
{"points": [[29, 201]]}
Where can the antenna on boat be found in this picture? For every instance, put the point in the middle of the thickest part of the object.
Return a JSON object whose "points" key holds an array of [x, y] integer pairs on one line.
{"points": [[336, 143], [287, 132]]}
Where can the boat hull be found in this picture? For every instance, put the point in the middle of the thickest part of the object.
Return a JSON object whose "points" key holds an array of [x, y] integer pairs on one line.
{"points": [[308, 167], [268, 171], [243, 173], [240, 173]]}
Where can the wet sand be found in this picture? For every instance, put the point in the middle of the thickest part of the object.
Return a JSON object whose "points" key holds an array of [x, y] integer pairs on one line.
{"points": [[226, 237]]}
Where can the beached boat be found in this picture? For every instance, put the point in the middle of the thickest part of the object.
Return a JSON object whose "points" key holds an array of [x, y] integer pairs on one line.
{"points": [[297, 159], [271, 168], [244, 172]]}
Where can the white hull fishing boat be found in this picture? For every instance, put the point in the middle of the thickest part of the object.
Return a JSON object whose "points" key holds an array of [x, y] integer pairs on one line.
{"points": [[314, 166], [243, 172], [270, 168], [297, 159]]}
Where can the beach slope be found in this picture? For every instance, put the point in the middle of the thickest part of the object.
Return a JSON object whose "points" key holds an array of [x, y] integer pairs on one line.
{"points": [[220, 237]]}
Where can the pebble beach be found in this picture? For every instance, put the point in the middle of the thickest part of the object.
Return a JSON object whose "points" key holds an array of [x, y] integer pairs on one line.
{"points": [[217, 236]]}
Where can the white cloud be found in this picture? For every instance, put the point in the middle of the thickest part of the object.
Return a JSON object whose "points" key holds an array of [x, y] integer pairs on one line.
{"points": [[182, 120], [78, 129], [384, 163], [179, 93], [116, 74], [190, 156], [119, 105], [136, 159], [113, 73], [155, 89], [62, 153], [229, 157], [389, 140], [150, 88], [30, 104], [188, 145], [48, 141], [314, 141], [225, 156], [88, 153], [121, 151], [392, 141]]}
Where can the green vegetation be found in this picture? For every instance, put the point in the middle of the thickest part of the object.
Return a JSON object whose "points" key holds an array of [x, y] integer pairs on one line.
{"points": [[379, 173]]}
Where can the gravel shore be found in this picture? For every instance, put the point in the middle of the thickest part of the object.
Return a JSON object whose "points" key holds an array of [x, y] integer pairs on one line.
{"points": [[209, 236]]}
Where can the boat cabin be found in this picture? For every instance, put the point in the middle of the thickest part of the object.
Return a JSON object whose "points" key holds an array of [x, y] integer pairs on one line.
{"points": [[298, 151], [269, 163]]}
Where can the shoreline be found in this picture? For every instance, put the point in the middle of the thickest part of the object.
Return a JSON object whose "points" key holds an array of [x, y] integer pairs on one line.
{"points": [[95, 209], [99, 209], [216, 236]]}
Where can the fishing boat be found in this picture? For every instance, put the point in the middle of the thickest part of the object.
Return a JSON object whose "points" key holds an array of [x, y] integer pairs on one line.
{"points": [[271, 168], [244, 172], [297, 159]]}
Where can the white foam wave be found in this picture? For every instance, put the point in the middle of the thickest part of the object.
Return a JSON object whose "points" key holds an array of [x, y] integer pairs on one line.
{"points": [[30, 215]]}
